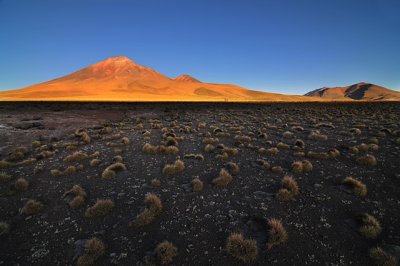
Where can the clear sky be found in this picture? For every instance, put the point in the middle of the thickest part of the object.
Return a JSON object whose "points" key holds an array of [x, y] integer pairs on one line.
{"points": [[286, 46]]}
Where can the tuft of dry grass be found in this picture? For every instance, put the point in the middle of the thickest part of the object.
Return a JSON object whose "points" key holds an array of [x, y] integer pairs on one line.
{"points": [[318, 155], [370, 226], [367, 160], [242, 138], [198, 157], [277, 169], [68, 171], [4, 229], [333, 153], [307, 166], [282, 146], [76, 156], [5, 164], [297, 167], [290, 189], [21, 184], [83, 135], [32, 207], [210, 140], [80, 196], [197, 184], [18, 154], [223, 179], [299, 143], [152, 210], [165, 252], [110, 171], [231, 151], [359, 188], [101, 208], [94, 249], [233, 168], [242, 249], [277, 233], [223, 156], [149, 149], [382, 258], [316, 135], [209, 148], [177, 167], [288, 135], [4, 177], [155, 182], [272, 151], [95, 162]]}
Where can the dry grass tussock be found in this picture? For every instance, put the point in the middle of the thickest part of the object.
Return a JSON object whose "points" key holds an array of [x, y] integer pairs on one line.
{"points": [[382, 258], [32, 207], [165, 252], [110, 171], [101, 208], [359, 188], [242, 249], [68, 171], [153, 208], [369, 226], [223, 179], [177, 167], [94, 249], [277, 233], [290, 189], [80, 196]]}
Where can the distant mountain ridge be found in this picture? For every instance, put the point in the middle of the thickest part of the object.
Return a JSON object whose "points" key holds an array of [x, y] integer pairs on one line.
{"points": [[359, 91], [120, 79]]}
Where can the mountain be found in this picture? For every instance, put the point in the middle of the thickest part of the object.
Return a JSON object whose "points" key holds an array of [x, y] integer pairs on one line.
{"points": [[120, 79], [359, 91], [186, 78]]}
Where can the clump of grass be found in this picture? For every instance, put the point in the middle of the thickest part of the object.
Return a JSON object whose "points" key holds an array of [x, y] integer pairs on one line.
{"points": [[233, 168], [299, 143], [110, 171], [316, 135], [32, 207], [4, 164], [359, 188], [369, 226], [333, 153], [83, 135], [165, 252], [277, 169], [297, 167], [4, 177], [242, 249], [223, 156], [242, 138], [177, 167], [4, 229], [264, 164], [80, 196], [367, 160], [101, 208], [18, 154], [290, 189], [223, 179], [150, 149], [282, 146], [95, 162], [210, 140], [198, 157], [209, 148], [155, 182], [21, 184], [288, 135], [68, 171], [272, 151], [197, 184], [318, 155], [152, 210], [94, 249], [307, 166], [125, 141], [230, 151], [118, 159], [381, 257], [277, 233], [76, 156]]}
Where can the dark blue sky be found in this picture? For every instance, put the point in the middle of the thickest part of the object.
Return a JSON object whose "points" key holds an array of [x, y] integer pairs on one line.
{"points": [[286, 46]]}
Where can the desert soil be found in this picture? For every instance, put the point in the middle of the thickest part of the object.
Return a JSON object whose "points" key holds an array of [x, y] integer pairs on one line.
{"points": [[321, 221]]}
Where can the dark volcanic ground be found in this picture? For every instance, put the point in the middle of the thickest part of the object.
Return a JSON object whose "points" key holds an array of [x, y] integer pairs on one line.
{"points": [[320, 221]]}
